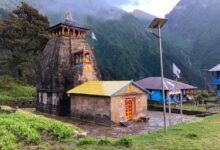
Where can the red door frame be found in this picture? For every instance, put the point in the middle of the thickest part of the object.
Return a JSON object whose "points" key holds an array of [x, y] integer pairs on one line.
{"points": [[133, 102]]}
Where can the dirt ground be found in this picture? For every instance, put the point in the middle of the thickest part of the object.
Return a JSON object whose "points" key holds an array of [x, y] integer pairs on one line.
{"points": [[155, 123]]}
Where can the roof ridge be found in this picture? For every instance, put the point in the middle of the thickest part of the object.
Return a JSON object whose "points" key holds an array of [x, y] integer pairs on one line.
{"points": [[100, 88]]}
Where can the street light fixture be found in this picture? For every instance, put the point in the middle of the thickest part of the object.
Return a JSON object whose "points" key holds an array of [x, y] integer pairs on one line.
{"points": [[158, 23]]}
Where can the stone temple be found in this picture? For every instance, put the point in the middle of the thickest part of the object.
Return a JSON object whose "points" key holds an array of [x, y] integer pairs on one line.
{"points": [[66, 62]]}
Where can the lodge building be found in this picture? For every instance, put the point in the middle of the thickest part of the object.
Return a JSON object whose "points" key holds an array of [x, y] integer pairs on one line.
{"points": [[108, 102], [216, 78], [174, 90]]}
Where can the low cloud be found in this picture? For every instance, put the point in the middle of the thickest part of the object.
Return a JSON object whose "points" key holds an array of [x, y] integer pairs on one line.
{"points": [[123, 2]]}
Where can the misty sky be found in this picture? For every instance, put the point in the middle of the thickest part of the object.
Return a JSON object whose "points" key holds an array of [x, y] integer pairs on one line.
{"points": [[156, 7]]}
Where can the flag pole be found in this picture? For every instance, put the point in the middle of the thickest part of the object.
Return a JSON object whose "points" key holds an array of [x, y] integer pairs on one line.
{"points": [[181, 104], [181, 107], [169, 105], [177, 72]]}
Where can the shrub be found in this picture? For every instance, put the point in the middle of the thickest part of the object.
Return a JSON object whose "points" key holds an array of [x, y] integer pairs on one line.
{"points": [[205, 95], [105, 141], [5, 97], [87, 141], [6, 81], [192, 136], [10, 89], [7, 142], [125, 141], [199, 97], [60, 131], [24, 131], [5, 108], [202, 95]]}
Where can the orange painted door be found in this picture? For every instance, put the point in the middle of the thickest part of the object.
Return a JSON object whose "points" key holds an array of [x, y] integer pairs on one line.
{"points": [[128, 109]]}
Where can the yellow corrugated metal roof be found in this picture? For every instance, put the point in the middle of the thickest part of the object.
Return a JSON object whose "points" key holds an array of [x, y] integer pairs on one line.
{"points": [[100, 88]]}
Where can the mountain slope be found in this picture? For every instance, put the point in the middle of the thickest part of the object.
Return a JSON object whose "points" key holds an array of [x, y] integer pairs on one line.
{"points": [[143, 16], [124, 49], [193, 27]]}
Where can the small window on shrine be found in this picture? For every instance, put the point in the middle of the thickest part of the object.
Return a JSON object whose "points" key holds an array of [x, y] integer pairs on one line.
{"points": [[82, 57], [66, 31], [77, 33]]}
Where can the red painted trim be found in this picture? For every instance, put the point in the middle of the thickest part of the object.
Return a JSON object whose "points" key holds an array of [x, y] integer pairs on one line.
{"points": [[133, 102]]}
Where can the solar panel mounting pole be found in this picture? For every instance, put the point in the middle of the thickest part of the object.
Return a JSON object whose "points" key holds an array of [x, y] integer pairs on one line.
{"points": [[162, 80], [158, 23]]}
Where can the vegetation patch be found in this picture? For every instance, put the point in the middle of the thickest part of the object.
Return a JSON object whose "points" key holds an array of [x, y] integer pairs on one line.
{"points": [[11, 89], [105, 141], [26, 127], [125, 141], [20, 129], [87, 141], [4, 108], [204, 95], [192, 136], [186, 107]]}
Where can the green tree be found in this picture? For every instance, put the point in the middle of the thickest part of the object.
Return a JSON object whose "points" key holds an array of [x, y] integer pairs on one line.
{"points": [[22, 37]]}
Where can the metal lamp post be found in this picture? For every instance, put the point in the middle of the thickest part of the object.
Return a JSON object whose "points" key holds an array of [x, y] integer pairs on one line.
{"points": [[158, 23]]}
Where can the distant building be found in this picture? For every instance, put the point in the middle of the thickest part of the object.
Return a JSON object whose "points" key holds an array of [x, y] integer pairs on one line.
{"points": [[216, 78], [66, 62], [173, 89], [108, 102]]}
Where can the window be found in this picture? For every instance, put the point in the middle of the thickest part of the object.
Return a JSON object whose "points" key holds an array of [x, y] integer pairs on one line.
{"points": [[82, 57]]}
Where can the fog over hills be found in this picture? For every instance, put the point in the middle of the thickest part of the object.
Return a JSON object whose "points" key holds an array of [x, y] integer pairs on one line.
{"points": [[124, 49], [194, 29], [143, 16]]}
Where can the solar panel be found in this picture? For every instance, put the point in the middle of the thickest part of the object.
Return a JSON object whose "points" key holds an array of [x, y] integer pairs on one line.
{"points": [[158, 22]]}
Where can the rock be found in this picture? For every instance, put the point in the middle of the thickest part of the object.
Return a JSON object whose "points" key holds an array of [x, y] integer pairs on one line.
{"points": [[81, 135]]}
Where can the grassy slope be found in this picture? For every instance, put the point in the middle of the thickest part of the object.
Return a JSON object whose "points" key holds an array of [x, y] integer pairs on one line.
{"points": [[22, 129], [13, 90]]}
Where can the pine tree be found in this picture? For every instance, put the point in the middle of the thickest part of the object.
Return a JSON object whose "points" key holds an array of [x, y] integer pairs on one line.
{"points": [[22, 37]]}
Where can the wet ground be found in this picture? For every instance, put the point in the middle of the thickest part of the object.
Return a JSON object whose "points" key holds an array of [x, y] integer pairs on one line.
{"points": [[155, 123]]}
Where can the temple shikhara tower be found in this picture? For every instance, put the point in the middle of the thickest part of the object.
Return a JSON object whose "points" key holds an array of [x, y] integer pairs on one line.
{"points": [[66, 62]]}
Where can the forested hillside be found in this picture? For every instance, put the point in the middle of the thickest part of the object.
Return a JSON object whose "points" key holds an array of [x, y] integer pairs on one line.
{"points": [[193, 28], [124, 49]]}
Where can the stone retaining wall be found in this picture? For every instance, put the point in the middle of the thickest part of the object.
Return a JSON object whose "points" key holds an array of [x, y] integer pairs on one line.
{"points": [[19, 103]]}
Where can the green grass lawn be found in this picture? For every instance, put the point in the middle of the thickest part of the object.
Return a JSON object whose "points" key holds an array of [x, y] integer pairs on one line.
{"points": [[186, 107], [24, 130], [196, 135], [10, 89], [193, 108]]}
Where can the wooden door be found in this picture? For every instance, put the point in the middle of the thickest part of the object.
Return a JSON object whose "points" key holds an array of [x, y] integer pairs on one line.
{"points": [[128, 108]]}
